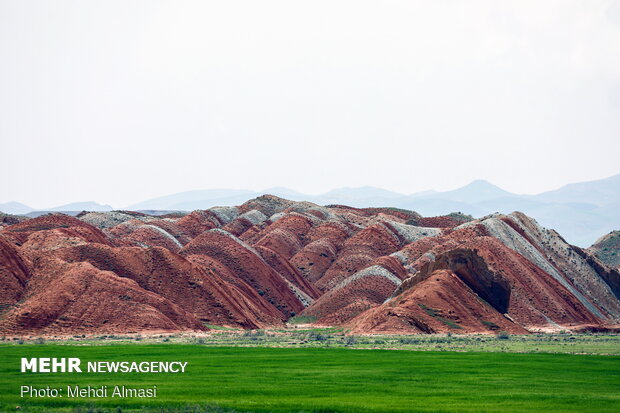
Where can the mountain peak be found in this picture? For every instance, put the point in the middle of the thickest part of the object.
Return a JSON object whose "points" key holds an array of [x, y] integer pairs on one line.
{"points": [[362, 192], [480, 183], [476, 191], [13, 207], [81, 206]]}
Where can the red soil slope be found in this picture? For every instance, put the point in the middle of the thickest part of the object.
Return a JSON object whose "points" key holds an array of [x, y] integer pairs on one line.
{"points": [[259, 264], [197, 289], [14, 273], [442, 303], [79, 297]]}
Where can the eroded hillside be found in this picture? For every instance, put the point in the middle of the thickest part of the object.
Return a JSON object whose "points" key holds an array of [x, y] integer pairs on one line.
{"points": [[375, 270]]}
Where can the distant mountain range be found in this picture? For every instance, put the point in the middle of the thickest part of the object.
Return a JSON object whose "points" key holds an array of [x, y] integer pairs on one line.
{"points": [[581, 212], [17, 208]]}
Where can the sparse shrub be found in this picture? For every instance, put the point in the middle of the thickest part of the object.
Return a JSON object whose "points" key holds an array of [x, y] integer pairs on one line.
{"points": [[408, 340], [503, 335], [350, 340], [39, 340], [302, 319], [316, 336]]}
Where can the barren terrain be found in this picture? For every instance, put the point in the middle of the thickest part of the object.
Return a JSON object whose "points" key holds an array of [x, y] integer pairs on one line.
{"points": [[270, 260]]}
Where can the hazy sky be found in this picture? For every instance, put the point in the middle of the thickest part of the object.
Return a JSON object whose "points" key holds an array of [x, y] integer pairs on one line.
{"points": [[118, 102]]}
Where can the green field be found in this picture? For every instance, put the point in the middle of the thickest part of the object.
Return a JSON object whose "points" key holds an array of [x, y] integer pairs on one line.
{"points": [[601, 343], [325, 379]]}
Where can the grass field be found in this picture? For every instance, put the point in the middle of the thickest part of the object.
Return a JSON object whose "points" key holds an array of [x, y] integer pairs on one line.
{"points": [[326, 379], [603, 344]]}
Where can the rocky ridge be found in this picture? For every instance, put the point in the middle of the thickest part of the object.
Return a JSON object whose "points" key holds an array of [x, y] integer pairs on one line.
{"points": [[371, 270]]}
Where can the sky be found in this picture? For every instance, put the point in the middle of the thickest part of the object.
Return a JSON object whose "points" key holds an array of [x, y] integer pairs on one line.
{"points": [[122, 101]]}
